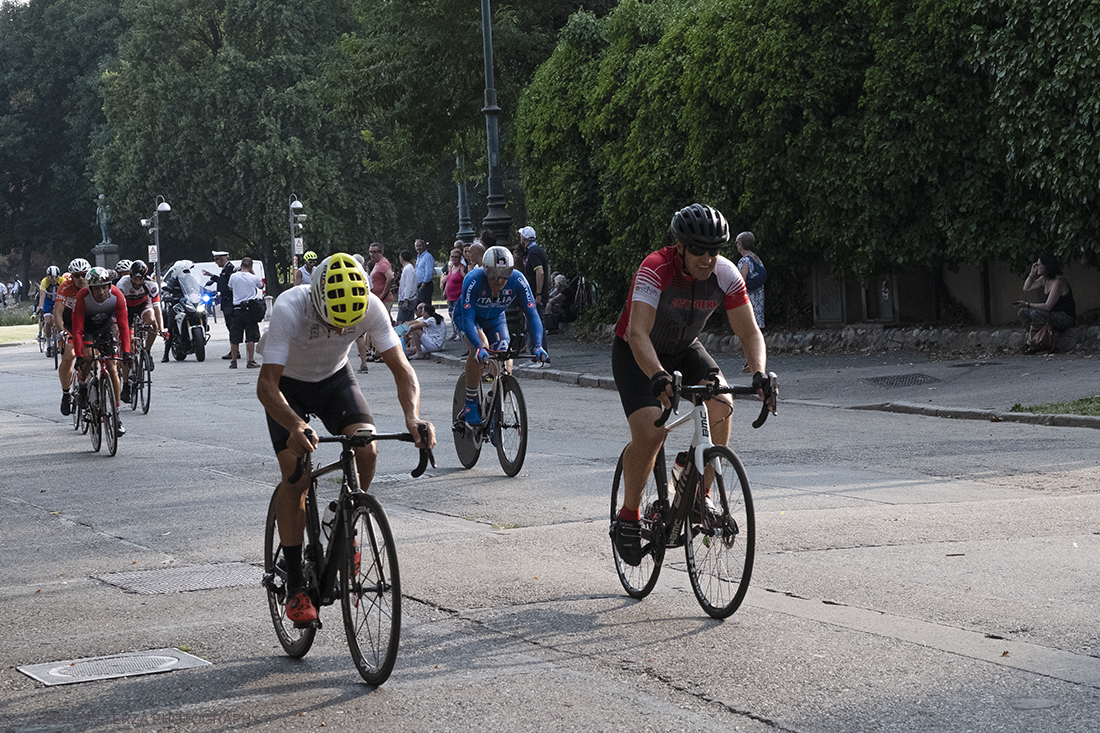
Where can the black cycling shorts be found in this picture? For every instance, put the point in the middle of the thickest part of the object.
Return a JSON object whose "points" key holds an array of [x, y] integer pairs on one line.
{"points": [[635, 390], [337, 400]]}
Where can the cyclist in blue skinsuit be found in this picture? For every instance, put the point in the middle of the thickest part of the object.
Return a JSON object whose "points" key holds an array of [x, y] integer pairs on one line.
{"points": [[486, 294]]}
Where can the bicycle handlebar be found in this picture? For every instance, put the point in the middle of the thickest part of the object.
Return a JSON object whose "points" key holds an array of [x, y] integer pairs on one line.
{"points": [[357, 440], [713, 387]]}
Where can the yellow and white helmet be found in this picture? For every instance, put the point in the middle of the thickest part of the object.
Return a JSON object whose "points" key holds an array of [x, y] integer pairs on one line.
{"points": [[338, 291]]}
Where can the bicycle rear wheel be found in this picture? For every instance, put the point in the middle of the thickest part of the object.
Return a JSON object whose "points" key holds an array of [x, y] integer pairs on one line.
{"points": [[371, 601], [722, 541], [295, 642], [639, 580], [109, 404], [467, 446], [510, 425], [95, 413]]}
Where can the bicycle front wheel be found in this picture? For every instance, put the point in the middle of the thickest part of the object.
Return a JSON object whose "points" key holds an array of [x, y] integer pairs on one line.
{"points": [[95, 413], [467, 446], [109, 407], [510, 425], [371, 600], [722, 538], [295, 642], [639, 580], [136, 379]]}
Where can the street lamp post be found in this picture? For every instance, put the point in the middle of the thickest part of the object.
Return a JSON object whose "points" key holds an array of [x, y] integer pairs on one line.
{"points": [[465, 226], [159, 206], [496, 220], [296, 244]]}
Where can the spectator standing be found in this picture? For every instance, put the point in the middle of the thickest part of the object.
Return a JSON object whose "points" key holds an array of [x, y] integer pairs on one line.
{"points": [[3, 295], [248, 311], [381, 275], [425, 272], [406, 289], [536, 267], [225, 293], [16, 289], [753, 273], [452, 287]]}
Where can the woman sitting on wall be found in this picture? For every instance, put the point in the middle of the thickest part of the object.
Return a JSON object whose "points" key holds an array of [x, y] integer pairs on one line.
{"points": [[1057, 311]]}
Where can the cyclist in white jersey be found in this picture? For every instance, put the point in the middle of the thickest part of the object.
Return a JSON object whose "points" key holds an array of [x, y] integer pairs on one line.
{"points": [[306, 372]]}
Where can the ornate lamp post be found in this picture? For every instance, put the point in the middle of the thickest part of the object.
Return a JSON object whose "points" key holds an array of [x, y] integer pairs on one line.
{"points": [[159, 206], [296, 243], [465, 226], [497, 219]]}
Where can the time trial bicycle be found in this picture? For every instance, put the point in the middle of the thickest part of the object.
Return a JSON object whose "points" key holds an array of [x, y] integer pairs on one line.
{"points": [[707, 507], [349, 555], [503, 413]]}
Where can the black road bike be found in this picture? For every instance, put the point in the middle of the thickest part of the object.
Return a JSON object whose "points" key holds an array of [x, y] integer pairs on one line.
{"points": [[351, 558]]}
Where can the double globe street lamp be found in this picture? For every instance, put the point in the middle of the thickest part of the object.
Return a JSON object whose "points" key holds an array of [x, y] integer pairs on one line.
{"points": [[159, 206], [296, 219]]}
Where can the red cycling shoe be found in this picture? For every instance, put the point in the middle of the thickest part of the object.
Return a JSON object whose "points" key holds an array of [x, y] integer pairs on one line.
{"points": [[300, 610]]}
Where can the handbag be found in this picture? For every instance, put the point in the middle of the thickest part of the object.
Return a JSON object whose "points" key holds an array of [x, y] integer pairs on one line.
{"points": [[1040, 339]]}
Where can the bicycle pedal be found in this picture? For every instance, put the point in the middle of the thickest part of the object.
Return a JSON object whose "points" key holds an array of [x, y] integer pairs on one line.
{"points": [[308, 625]]}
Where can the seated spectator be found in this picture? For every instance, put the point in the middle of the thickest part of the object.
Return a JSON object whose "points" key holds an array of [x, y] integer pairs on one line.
{"points": [[1057, 309], [562, 306], [425, 334]]}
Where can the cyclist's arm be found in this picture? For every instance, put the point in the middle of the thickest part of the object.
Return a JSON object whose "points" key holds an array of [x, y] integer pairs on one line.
{"points": [[533, 321], [408, 393], [122, 319], [743, 323], [58, 312], [642, 318], [466, 308], [271, 397]]}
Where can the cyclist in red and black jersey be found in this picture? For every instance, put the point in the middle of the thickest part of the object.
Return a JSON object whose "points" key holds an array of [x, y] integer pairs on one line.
{"points": [[674, 292]]}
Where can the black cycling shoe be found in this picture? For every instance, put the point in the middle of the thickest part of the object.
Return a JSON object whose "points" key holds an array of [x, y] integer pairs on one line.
{"points": [[66, 404], [628, 540], [125, 396]]}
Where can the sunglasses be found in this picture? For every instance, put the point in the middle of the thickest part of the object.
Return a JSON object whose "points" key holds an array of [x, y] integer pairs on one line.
{"points": [[698, 250], [81, 275]]}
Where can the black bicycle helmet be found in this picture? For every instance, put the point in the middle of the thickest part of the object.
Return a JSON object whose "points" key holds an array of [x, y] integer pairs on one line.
{"points": [[139, 268], [700, 225]]}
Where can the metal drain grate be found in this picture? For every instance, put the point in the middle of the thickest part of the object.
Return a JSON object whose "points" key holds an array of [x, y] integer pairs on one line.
{"points": [[130, 664], [902, 380], [181, 580]]}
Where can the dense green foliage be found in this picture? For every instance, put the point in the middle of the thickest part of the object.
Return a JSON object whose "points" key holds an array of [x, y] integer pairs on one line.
{"points": [[873, 134], [52, 53]]}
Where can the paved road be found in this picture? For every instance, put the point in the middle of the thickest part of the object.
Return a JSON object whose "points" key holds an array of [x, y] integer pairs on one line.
{"points": [[914, 573]]}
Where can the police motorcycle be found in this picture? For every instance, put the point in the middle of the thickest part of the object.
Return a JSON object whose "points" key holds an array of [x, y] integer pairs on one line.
{"points": [[189, 314]]}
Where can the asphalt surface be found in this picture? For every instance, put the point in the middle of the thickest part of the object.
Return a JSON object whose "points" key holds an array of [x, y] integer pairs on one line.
{"points": [[914, 573]]}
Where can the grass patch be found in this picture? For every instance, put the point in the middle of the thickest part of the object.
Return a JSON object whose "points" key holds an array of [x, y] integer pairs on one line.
{"points": [[1083, 406], [18, 334]]}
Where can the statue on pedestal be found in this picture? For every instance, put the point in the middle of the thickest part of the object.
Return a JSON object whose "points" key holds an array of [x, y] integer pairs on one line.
{"points": [[103, 219]]}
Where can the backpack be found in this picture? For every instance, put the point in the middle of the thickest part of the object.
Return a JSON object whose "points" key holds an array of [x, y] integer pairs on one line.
{"points": [[758, 275]]}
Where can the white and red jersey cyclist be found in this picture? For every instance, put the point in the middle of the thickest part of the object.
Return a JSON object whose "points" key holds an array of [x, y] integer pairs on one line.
{"points": [[683, 304], [139, 298]]}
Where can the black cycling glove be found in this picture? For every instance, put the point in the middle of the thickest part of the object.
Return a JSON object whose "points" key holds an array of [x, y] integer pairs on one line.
{"points": [[659, 382]]}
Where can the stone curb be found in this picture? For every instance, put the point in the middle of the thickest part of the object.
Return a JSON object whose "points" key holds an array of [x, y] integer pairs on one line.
{"points": [[955, 413], [909, 408]]}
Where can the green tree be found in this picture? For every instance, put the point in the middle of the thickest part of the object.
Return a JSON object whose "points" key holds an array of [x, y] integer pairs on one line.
{"points": [[215, 106], [52, 53]]}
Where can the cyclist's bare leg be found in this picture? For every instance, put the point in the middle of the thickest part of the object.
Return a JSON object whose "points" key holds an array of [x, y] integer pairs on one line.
{"points": [[366, 458], [719, 411], [290, 507], [148, 317], [112, 369], [65, 368], [640, 453]]}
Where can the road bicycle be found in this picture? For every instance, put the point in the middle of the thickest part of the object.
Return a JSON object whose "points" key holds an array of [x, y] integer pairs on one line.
{"points": [[503, 413], [707, 508], [349, 556], [141, 367], [101, 404]]}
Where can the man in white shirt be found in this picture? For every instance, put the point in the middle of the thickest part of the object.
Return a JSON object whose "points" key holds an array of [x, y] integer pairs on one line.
{"points": [[306, 372], [248, 311], [407, 289]]}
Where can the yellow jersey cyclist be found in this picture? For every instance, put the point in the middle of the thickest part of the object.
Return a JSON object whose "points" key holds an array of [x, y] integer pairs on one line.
{"points": [[673, 294], [64, 302], [47, 294], [306, 372]]}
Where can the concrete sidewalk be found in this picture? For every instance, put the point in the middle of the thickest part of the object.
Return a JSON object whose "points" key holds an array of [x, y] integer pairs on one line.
{"points": [[981, 389]]}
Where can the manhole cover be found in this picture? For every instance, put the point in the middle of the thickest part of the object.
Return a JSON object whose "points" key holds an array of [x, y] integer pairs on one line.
{"points": [[180, 580], [902, 380], [130, 664]]}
